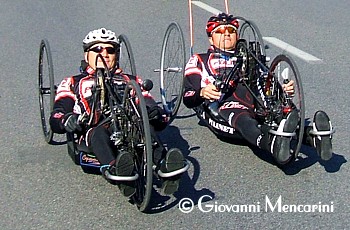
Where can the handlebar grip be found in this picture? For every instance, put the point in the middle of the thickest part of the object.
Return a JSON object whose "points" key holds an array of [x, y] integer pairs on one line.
{"points": [[147, 85]]}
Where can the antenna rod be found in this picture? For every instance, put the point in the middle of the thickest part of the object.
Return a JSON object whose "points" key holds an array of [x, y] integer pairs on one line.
{"points": [[191, 26], [226, 6]]}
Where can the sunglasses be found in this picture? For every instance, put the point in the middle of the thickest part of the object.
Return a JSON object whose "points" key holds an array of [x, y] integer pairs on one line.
{"points": [[99, 49], [222, 29]]}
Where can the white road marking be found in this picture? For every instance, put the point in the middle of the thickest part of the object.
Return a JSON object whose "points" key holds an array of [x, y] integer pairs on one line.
{"points": [[274, 41], [206, 7], [292, 50]]}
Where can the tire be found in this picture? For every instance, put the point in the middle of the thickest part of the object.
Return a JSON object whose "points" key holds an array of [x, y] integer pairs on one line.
{"points": [[249, 31], [46, 88], [137, 133], [126, 59], [72, 149], [172, 68], [281, 66]]}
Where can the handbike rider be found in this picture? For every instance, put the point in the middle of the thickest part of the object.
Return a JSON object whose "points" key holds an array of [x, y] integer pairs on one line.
{"points": [[236, 111], [74, 97]]}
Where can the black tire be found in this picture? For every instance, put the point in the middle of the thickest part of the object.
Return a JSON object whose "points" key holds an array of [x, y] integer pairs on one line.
{"points": [[72, 149], [138, 138], [172, 68], [249, 31], [126, 59], [284, 65], [46, 87]]}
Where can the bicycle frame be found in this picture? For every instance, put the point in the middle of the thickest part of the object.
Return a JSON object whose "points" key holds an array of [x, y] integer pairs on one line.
{"points": [[259, 81], [108, 97]]}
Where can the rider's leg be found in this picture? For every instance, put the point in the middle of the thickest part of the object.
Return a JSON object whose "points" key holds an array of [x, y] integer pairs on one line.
{"points": [[122, 165], [258, 135], [166, 162], [98, 139], [281, 144], [312, 137], [244, 123]]}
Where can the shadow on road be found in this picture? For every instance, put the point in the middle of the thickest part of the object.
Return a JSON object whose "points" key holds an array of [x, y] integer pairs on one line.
{"points": [[172, 138], [307, 157]]}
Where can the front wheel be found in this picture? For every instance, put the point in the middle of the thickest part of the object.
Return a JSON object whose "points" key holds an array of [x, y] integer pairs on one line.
{"points": [[138, 140], [284, 69], [249, 31], [125, 57]]}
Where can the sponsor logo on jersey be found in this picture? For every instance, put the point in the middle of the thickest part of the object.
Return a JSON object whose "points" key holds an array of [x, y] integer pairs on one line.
{"points": [[189, 93]]}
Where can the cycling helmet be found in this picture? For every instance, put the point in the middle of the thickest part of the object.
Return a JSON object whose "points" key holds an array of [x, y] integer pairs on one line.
{"points": [[220, 19], [101, 35]]}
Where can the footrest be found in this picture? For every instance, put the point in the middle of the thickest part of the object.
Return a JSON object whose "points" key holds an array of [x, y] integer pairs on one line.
{"points": [[321, 125], [176, 172], [281, 133], [121, 178], [322, 133]]}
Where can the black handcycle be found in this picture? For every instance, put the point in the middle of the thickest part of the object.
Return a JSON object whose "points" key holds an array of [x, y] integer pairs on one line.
{"points": [[127, 115], [262, 77]]}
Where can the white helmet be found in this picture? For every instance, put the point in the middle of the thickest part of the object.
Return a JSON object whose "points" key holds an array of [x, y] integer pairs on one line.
{"points": [[101, 35]]}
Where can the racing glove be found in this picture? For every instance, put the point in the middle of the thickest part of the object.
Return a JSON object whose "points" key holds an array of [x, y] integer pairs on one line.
{"points": [[155, 113], [71, 123], [155, 116]]}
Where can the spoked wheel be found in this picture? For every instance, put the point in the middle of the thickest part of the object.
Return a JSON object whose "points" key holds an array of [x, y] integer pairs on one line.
{"points": [[284, 69], [138, 137], [46, 88], [126, 59], [251, 33], [172, 67]]}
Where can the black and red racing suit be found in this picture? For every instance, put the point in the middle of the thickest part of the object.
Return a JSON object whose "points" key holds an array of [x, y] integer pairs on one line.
{"points": [[74, 95], [237, 105]]}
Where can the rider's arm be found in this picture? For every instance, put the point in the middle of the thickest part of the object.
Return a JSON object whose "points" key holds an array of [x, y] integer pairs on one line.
{"points": [[64, 103], [192, 83], [210, 92]]}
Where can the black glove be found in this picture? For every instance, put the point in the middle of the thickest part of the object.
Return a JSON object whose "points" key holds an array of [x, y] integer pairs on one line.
{"points": [[155, 113], [71, 123]]}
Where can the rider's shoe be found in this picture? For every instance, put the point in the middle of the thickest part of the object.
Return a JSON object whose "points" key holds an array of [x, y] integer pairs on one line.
{"points": [[124, 166], [174, 160], [322, 143], [280, 145]]}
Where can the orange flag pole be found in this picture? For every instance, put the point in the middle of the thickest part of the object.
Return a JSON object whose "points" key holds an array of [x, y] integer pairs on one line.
{"points": [[226, 7], [191, 26]]}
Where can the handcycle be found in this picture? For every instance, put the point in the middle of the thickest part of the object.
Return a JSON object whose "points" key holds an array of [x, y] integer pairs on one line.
{"points": [[127, 114], [263, 81]]}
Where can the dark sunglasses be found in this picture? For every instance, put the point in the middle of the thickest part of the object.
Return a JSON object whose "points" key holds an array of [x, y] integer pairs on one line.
{"points": [[222, 29], [99, 49]]}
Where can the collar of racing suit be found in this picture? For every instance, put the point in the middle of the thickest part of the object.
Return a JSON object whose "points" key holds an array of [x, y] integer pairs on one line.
{"points": [[226, 54], [86, 69]]}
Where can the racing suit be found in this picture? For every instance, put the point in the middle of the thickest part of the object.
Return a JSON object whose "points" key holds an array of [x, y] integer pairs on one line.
{"points": [[74, 95], [236, 107]]}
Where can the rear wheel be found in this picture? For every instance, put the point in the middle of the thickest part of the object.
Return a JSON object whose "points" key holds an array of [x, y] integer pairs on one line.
{"points": [[126, 59], [46, 88], [284, 69], [172, 67], [138, 138], [72, 148]]}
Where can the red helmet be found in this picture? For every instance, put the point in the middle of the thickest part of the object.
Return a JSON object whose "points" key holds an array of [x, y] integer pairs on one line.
{"points": [[220, 19]]}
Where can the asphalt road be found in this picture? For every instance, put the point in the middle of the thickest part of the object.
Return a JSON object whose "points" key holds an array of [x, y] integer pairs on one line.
{"points": [[40, 186]]}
